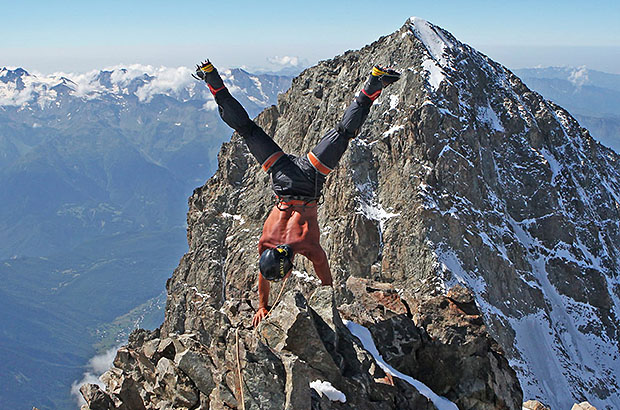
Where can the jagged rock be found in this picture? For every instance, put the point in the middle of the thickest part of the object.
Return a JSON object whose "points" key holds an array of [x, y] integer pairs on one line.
{"points": [[96, 398], [583, 406], [194, 365], [264, 380], [298, 396], [460, 351], [534, 405], [292, 328], [178, 390], [444, 345]]}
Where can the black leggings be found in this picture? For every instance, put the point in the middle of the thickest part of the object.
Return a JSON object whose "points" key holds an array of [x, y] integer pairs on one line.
{"points": [[295, 176]]}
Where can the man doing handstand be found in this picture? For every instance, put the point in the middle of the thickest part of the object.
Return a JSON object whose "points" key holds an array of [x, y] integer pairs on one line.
{"points": [[292, 228]]}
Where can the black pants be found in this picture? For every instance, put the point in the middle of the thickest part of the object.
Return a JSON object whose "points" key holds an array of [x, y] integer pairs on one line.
{"points": [[295, 176]]}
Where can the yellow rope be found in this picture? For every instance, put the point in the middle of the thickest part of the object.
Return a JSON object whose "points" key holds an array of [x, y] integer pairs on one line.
{"points": [[239, 374], [278, 298]]}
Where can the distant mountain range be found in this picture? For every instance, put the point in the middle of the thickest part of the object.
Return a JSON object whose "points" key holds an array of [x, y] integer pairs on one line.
{"points": [[95, 171], [591, 96], [96, 149]]}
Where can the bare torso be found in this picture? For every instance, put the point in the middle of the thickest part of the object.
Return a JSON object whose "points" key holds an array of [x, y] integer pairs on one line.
{"points": [[298, 228], [295, 226]]}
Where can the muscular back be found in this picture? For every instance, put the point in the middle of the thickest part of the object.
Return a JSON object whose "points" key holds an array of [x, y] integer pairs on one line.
{"points": [[295, 226]]}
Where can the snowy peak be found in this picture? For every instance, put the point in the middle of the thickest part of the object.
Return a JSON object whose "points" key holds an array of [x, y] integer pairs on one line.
{"points": [[7, 75], [434, 39]]}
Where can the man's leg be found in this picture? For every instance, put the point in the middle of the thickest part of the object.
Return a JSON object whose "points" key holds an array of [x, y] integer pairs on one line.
{"points": [[262, 147], [325, 156]]}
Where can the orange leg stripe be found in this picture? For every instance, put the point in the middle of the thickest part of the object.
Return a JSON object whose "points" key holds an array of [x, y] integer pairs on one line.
{"points": [[372, 96], [271, 160], [318, 165]]}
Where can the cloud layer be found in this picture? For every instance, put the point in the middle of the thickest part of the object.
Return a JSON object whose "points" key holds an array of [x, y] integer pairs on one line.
{"points": [[144, 81]]}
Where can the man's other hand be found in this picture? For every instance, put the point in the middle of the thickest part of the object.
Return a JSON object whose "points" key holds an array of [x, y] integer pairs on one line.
{"points": [[259, 316]]}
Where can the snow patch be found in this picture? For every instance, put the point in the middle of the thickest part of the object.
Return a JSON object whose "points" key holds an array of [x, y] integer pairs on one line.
{"points": [[433, 39], [326, 388], [487, 115], [436, 44], [370, 208], [305, 277], [394, 101], [435, 74], [392, 130], [555, 166]]}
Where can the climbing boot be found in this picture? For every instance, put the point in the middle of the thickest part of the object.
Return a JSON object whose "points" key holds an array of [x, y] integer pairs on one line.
{"points": [[379, 78], [206, 72], [386, 75]]}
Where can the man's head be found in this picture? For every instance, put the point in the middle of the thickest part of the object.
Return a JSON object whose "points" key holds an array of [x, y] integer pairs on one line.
{"points": [[276, 263]]}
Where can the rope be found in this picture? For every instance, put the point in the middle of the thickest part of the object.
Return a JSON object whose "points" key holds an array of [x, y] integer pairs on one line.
{"points": [[239, 374], [278, 298]]}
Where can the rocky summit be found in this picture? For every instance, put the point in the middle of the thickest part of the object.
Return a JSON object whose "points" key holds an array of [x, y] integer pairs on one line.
{"points": [[473, 234]]}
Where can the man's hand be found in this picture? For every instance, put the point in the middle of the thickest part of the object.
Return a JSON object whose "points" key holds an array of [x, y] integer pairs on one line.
{"points": [[259, 316]]}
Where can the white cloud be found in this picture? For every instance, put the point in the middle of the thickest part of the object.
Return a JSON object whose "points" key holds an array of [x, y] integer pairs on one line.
{"points": [[167, 80], [579, 76], [95, 368], [210, 105], [284, 60]]}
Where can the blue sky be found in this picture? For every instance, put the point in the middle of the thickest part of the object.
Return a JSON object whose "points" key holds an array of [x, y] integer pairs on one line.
{"points": [[74, 36]]}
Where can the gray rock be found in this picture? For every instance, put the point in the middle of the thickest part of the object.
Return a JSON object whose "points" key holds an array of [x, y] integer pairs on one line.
{"points": [[194, 365], [291, 328], [96, 399], [534, 405]]}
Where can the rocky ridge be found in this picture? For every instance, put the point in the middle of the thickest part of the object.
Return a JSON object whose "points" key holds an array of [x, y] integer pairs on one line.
{"points": [[461, 175]]}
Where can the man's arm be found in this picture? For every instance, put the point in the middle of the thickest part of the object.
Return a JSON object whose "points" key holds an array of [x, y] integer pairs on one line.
{"points": [[321, 266], [263, 292], [263, 300]]}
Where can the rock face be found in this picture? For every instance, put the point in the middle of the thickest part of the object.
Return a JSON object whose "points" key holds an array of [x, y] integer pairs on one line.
{"points": [[441, 341], [460, 176]]}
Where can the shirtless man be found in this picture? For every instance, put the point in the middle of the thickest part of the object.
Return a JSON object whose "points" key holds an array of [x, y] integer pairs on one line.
{"points": [[292, 228]]}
